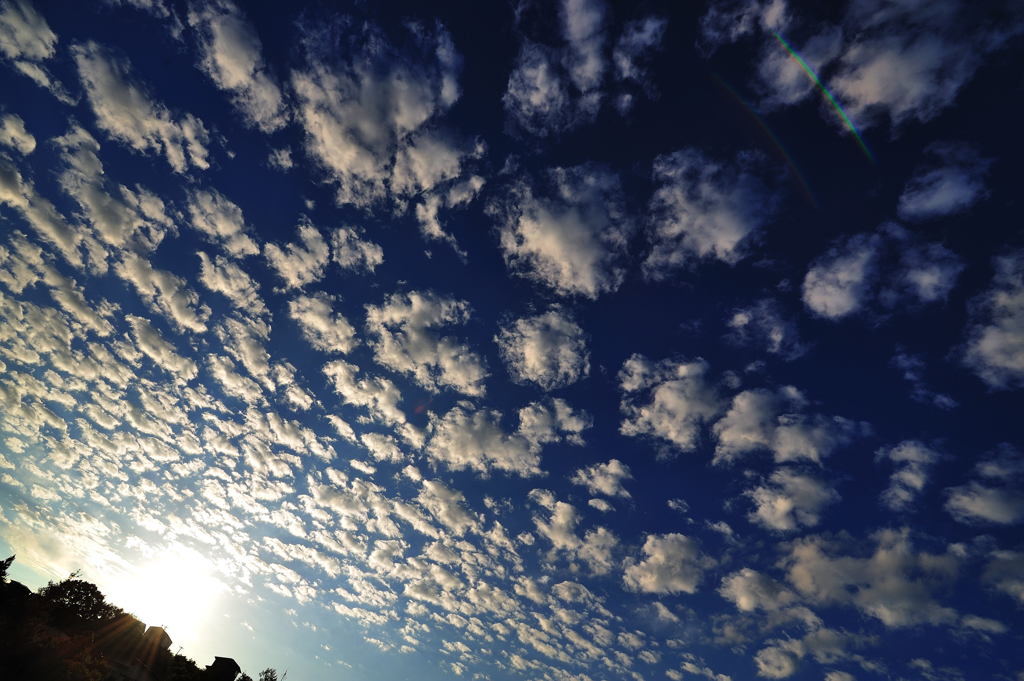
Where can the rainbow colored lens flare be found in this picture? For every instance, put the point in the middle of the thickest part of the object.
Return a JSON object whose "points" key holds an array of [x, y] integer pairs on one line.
{"points": [[772, 137], [825, 91]]}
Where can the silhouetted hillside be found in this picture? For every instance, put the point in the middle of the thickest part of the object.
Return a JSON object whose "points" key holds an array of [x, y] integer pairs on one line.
{"points": [[67, 631]]}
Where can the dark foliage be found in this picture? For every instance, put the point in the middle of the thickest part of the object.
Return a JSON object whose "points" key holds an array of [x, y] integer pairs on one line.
{"points": [[75, 602]]}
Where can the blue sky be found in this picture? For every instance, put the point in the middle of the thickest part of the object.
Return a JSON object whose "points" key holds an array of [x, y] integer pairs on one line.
{"points": [[563, 341]]}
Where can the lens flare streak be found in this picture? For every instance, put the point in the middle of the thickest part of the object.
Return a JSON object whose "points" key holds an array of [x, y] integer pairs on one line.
{"points": [[772, 137], [825, 91]]}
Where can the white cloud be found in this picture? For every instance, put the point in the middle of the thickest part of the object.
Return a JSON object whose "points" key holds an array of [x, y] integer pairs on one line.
{"points": [[927, 272], [229, 279], [553, 89], [571, 238], [727, 22], [281, 159], [838, 283], [704, 209], [125, 111], [14, 135], [163, 292], [823, 645], [1005, 463], [352, 252], [473, 438], [604, 478], [231, 57], [789, 501], [775, 662], [447, 506], [1005, 572], [553, 420], [582, 26], [70, 296], [234, 384], [406, 340], [299, 263], [783, 80], [952, 181], [360, 105], [382, 447], [157, 8], [244, 339], [326, 330], [163, 354], [913, 461], [670, 400], [21, 261], [538, 96], [428, 160], [219, 219], [912, 368], [639, 38], [839, 676], [24, 32], [458, 194], [38, 212], [597, 546], [573, 592], [763, 325], [749, 590], [342, 428], [548, 350], [27, 40], [692, 664], [884, 61], [977, 502], [775, 420], [136, 410], [995, 343], [910, 64], [672, 563], [891, 266], [379, 395], [598, 550], [41, 77], [122, 217], [983, 626], [373, 116], [893, 584]]}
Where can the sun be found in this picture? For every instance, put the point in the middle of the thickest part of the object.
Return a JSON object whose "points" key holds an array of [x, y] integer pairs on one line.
{"points": [[177, 591]]}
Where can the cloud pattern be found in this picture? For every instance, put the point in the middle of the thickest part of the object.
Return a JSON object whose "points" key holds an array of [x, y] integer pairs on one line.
{"points": [[426, 372]]}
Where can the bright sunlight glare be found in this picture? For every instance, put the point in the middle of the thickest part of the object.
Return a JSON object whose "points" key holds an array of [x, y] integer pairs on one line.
{"points": [[176, 591]]}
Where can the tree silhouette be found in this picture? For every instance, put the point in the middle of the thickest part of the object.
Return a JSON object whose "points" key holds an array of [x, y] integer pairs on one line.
{"points": [[4, 565], [75, 600]]}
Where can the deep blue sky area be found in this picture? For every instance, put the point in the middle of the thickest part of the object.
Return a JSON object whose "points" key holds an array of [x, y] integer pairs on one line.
{"points": [[567, 341]]}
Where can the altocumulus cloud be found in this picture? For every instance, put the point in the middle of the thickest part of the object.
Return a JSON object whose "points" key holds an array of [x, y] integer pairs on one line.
{"points": [[481, 340]]}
